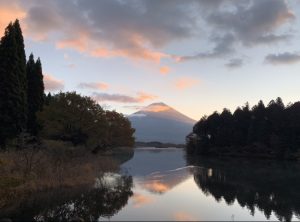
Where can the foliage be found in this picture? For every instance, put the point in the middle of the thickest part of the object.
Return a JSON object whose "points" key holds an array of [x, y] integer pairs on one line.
{"points": [[268, 186], [35, 92], [81, 121], [272, 131], [13, 84]]}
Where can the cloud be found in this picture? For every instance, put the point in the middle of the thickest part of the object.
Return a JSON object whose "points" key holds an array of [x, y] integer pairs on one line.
{"points": [[156, 186], [142, 29], [183, 216], [185, 83], [110, 28], [94, 85], [223, 47], [164, 70], [253, 21], [9, 12], [53, 84], [246, 22], [156, 108], [234, 63], [134, 107], [120, 98], [71, 65], [140, 199], [282, 58]]}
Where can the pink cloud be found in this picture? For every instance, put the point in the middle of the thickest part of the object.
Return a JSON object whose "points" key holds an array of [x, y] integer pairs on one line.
{"points": [[164, 70], [9, 13], [183, 216], [53, 84], [94, 85], [140, 199], [121, 98], [185, 83]]}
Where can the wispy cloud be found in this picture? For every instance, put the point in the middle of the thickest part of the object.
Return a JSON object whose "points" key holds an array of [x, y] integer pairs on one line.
{"points": [[183, 216], [142, 29], [185, 83], [234, 63], [53, 84], [282, 58], [121, 98], [134, 107], [9, 12], [140, 200], [94, 85], [164, 70]]}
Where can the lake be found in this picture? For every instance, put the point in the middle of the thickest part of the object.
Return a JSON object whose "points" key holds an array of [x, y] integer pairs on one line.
{"points": [[163, 184], [168, 186]]}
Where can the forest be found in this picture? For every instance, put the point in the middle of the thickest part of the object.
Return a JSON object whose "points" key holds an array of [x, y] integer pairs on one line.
{"points": [[271, 131]]}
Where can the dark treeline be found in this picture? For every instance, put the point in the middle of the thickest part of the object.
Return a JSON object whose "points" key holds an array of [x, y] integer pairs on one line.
{"points": [[75, 204], [79, 120], [267, 186], [27, 113], [263, 131], [21, 86]]}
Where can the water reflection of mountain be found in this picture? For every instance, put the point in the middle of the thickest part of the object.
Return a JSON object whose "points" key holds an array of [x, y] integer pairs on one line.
{"points": [[161, 182], [105, 199], [149, 160], [264, 185], [157, 170]]}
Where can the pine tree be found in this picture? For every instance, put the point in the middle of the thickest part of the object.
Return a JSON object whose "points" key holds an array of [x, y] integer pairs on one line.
{"points": [[13, 97], [21, 73], [35, 92]]}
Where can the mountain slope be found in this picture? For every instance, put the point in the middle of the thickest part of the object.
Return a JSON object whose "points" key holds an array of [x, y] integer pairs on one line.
{"points": [[160, 122]]}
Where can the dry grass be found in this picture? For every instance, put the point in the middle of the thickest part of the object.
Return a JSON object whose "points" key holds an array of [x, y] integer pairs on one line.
{"points": [[56, 164]]}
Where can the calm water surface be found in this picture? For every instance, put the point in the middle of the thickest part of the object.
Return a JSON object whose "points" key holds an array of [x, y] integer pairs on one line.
{"points": [[168, 186], [163, 184]]}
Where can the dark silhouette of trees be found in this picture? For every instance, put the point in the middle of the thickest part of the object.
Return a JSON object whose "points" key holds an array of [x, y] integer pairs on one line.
{"points": [[35, 92], [73, 204], [268, 186], [81, 121], [271, 131], [13, 84]]}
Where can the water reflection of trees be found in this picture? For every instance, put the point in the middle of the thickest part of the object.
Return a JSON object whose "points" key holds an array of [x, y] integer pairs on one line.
{"points": [[80, 204], [264, 185]]}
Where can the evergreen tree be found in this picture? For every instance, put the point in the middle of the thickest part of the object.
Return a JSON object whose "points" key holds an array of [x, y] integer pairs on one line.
{"points": [[13, 99], [21, 67], [35, 92]]}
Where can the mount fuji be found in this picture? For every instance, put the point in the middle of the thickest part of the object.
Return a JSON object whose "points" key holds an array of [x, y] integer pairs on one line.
{"points": [[161, 123]]}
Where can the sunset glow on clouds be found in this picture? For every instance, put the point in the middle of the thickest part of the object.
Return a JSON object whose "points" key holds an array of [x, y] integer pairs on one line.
{"points": [[94, 85], [231, 46], [9, 12], [185, 83], [139, 98], [53, 84], [140, 200], [164, 70], [183, 216]]}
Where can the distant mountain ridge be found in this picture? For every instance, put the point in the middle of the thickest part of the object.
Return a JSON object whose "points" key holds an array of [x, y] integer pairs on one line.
{"points": [[162, 123]]}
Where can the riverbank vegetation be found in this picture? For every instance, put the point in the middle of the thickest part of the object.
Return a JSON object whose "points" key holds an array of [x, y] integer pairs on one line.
{"points": [[271, 131], [53, 140]]}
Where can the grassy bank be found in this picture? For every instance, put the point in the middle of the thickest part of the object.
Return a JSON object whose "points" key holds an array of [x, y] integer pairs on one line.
{"points": [[54, 164]]}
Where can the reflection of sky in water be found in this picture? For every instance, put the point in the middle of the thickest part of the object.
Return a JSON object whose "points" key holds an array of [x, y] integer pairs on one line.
{"points": [[172, 194]]}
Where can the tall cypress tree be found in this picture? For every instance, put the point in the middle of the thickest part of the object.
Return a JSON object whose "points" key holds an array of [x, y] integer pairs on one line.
{"points": [[35, 92], [21, 73], [13, 97]]}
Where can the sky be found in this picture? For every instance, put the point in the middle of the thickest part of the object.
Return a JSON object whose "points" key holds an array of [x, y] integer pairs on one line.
{"points": [[198, 56]]}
